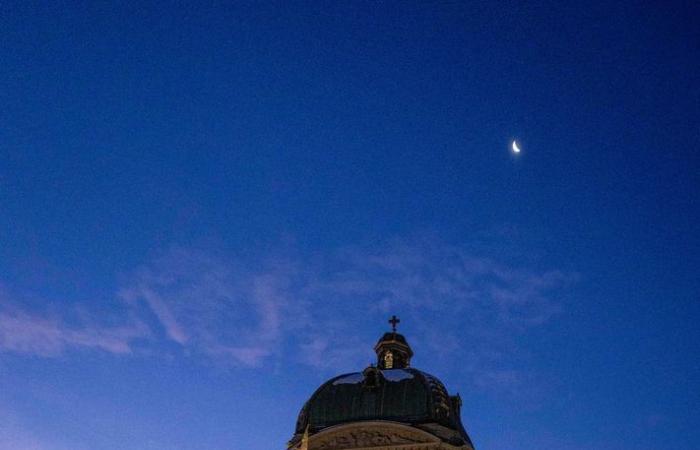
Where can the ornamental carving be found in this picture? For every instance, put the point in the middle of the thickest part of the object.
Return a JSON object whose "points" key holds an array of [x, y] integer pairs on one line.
{"points": [[358, 439], [379, 437]]}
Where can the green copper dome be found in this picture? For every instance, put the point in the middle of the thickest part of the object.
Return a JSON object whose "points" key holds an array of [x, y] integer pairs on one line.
{"points": [[404, 395], [390, 391]]}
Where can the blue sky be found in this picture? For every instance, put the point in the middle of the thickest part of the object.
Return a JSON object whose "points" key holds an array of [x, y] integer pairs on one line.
{"points": [[206, 210]]}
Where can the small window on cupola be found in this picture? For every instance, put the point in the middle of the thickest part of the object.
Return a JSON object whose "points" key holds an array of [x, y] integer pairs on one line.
{"points": [[388, 360]]}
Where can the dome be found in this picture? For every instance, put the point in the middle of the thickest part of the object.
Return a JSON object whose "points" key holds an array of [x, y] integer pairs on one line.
{"points": [[401, 395], [406, 395], [390, 391], [392, 336]]}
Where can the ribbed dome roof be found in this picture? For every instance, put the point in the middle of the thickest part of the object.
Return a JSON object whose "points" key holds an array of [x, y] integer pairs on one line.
{"points": [[401, 395], [390, 391]]}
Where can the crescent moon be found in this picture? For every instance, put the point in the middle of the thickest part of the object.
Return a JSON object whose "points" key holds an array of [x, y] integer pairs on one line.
{"points": [[515, 147]]}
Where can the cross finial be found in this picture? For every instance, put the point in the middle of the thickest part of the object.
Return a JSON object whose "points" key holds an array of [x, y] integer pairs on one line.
{"points": [[394, 321]]}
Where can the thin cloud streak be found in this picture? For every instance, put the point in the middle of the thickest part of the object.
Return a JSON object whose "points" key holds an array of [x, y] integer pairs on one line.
{"points": [[23, 332], [213, 307], [229, 311]]}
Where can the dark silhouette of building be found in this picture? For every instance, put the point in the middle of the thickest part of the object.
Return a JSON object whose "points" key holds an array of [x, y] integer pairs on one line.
{"points": [[387, 406]]}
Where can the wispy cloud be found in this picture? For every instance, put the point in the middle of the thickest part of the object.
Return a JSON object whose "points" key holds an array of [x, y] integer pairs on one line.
{"points": [[250, 311], [213, 306], [456, 300], [49, 336]]}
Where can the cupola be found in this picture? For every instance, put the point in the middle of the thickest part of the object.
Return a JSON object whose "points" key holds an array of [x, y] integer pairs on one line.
{"points": [[393, 351]]}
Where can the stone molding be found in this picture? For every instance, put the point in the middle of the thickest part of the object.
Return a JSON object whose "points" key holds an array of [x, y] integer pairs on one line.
{"points": [[376, 435]]}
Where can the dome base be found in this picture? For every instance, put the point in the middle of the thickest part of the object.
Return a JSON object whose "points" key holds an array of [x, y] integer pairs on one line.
{"points": [[377, 435]]}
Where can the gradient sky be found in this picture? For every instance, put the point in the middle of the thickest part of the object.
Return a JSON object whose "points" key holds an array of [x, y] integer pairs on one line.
{"points": [[208, 210]]}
